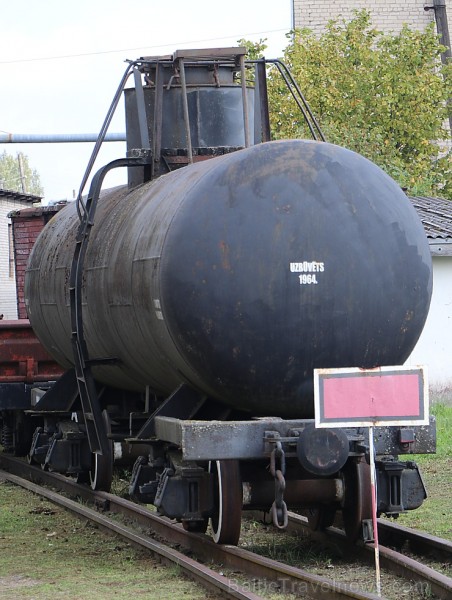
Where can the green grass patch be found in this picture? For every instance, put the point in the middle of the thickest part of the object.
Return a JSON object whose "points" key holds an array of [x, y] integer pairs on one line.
{"points": [[47, 553], [434, 516]]}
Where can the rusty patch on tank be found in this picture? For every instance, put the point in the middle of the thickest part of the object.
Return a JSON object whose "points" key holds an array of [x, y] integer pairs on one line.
{"points": [[225, 262]]}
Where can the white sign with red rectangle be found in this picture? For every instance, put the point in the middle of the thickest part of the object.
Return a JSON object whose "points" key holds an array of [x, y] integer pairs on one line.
{"points": [[353, 397]]}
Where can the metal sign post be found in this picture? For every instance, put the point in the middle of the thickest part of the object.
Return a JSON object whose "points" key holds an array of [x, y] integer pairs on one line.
{"points": [[355, 397], [373, 487]]}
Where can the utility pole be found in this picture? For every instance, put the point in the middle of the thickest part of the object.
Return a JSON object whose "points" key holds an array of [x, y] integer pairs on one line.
{"points": [[22, 173], [442, 26]]}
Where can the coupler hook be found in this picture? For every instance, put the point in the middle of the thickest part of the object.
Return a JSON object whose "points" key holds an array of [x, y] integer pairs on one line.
{"points": [[279, 508]]}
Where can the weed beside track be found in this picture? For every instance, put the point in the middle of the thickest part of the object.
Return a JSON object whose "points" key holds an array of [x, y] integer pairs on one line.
{"points": [[46, 553]]}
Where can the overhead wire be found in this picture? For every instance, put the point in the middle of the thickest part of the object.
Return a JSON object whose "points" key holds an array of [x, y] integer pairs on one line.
{"points": [[169, 45]]}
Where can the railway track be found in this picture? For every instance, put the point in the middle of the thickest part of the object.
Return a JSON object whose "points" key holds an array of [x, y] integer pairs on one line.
{"points": [[277, 575], [421, 544]]}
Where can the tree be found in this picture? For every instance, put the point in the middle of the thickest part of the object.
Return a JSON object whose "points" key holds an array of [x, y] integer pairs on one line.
{"points": [[382, 95], [11, 178]]}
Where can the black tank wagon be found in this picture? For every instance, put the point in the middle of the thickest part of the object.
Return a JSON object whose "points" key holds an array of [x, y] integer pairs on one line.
{"points": [[191, 307]]}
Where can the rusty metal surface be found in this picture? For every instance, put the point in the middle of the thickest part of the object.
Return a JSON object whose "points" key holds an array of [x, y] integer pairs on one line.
{"points": [[387, 439], [215, 440], [23, 359], [259, 494]]}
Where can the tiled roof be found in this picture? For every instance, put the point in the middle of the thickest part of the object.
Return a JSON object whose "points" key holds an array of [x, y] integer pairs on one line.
{"points": [[436, 217], [19, 196]]}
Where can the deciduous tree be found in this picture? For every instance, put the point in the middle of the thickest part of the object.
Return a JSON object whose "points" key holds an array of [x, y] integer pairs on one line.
{"points": [[11, 177], [382, 95]]}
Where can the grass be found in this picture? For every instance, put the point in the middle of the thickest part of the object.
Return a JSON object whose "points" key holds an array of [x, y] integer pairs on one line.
{"points": [[434, 516], [293, 549], [47, 553]]}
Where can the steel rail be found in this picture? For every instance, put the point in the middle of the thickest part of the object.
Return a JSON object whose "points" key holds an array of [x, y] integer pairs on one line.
{"points": [[285, 578], [440, 585], [421, 543], [202, 574], [419, 540], [289, 579]]}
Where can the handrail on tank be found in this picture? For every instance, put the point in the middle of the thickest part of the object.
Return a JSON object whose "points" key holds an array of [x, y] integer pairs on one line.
{"points": [[95, 425], [216, 56], [100, 139], [299, 98]]}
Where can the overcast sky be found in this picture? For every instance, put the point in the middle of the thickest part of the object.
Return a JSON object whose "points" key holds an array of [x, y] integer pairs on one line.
{"points": [[61, 62]]}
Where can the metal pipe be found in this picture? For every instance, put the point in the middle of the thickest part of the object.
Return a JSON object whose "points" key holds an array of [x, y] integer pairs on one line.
{"points": [[57, 138], [185, 109], [246, 124], [141, 110], [157, 121], [442, 27], [261, 119]]}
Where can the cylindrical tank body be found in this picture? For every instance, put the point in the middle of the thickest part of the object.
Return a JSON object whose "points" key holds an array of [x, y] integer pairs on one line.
{"points": [[240, 275]]}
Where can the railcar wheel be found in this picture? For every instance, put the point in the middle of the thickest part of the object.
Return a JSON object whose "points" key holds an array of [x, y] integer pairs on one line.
{"points": [[101, 473], [358, 501], [227, 521]]}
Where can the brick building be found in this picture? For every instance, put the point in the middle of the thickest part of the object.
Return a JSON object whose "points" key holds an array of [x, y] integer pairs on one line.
{"points": [[386, 16], [26, 226], [9, 201]]}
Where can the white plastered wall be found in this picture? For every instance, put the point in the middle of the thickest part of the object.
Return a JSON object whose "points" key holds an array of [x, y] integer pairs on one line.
{"points": [[434, 348]]}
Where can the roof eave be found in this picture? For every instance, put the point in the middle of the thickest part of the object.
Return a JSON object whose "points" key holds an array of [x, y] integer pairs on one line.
{"points": [[440, 247]]}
